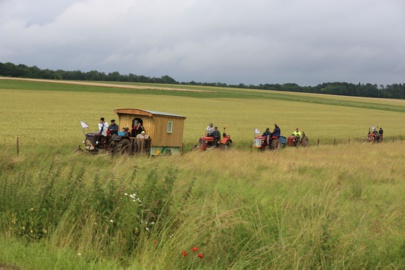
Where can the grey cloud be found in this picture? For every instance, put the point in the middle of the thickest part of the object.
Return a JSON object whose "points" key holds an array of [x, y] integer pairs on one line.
{"points": [[252, 42]]}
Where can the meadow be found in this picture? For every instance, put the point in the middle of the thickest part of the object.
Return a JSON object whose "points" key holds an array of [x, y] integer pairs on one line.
{"points": [[325, 206]]}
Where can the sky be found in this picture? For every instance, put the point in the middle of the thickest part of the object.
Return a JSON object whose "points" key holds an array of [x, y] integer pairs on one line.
{"points": [[306, 42]]}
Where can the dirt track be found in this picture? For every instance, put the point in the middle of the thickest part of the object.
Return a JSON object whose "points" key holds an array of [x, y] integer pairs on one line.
{"points": [[106, 85]]}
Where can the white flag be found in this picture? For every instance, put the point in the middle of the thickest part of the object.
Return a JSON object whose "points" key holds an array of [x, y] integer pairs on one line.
{"points": [[84, 124], [257, 131]]}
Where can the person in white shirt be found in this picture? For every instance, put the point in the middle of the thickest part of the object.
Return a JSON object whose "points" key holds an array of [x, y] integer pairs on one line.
{"points": [[210, 130], [102, 127]]}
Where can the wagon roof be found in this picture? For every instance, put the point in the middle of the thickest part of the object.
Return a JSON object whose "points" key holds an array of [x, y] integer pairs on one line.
{"points": [[146, 113]]}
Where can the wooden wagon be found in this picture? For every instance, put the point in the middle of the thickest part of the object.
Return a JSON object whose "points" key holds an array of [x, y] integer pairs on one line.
{"points": [[165, 130]]}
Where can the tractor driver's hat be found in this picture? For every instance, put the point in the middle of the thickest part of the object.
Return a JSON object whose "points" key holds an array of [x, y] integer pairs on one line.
{"points": [[125, 128], [143, 132], [112, 120], [296, 128]]}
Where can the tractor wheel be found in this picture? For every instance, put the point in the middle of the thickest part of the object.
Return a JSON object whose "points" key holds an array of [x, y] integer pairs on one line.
{"points": [[121, 146], [305, 141], [275, 144], [227, 145]]}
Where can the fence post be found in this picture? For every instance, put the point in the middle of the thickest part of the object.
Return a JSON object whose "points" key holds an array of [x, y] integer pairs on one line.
{"points": [[334, 141], [18, 146], [317, 144], [349, 141]]}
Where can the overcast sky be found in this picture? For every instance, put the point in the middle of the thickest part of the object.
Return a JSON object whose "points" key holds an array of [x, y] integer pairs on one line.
{"points": [[230, 41]]}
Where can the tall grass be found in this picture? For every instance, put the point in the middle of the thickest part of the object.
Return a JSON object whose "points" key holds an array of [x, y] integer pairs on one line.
{"points": [[329, 206], [326, 207]]}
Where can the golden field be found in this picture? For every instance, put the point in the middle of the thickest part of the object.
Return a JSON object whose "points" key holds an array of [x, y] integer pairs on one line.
{"points": [[39, 117]]}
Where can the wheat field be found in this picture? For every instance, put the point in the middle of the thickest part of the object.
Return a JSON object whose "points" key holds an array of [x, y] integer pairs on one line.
{"points": [[53, 117], [325, 206]]}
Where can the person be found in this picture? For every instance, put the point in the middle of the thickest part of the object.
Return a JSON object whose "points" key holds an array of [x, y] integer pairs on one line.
{"points": [[381, 132], [124, 132], [102, 132], [102, 127], [375, 132], [137, 129], [276, 131], [210, 130], [217, 136], [141, 141], [297, 134], [142, 135], [113, 128], [266, 133]]}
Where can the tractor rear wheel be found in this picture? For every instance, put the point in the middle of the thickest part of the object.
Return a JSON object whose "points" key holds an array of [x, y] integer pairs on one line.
{"points": [[275, 144], [227, 145], [305, 141]]}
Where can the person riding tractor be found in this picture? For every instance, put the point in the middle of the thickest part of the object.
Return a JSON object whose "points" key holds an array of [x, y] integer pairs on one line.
{"points": [[297, 133], [213, 139]]}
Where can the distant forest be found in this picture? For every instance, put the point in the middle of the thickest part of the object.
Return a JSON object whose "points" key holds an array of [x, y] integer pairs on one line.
{"points": [[396, 91]]}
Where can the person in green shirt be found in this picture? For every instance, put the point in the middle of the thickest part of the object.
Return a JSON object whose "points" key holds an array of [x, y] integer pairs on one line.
{"points": [[217, 136]]}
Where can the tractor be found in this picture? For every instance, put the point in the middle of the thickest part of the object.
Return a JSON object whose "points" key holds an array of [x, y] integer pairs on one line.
{"points": [[272, 142], [374, 137], [115, 144], [293, 140], [207, 142]]}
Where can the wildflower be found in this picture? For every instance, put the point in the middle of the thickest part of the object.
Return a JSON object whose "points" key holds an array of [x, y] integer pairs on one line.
{"points": [[155, 242], [79, 254], [112, 221], [200, 256], [126, 194], [147, 229], [184, 253], [195, 249]]}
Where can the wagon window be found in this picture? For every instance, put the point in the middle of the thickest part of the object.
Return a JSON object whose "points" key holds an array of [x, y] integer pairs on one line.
{"points": [[169, 127]]}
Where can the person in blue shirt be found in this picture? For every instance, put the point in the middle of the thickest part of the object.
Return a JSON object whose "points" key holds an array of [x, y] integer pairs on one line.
{"points": [[276, 131], [267, 132]]}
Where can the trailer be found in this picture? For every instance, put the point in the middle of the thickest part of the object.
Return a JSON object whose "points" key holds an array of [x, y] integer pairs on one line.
{"points": [[163, 134]]}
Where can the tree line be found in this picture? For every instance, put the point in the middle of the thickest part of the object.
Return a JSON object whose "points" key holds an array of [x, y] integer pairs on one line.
{"points": [[396, 91]]}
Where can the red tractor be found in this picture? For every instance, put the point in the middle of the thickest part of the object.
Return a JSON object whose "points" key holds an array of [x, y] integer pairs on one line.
{"points": [[293, 140], [273, 142], [374, 137], [207, 142]]}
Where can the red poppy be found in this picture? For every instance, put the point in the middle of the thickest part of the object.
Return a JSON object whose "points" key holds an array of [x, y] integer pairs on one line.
{"points": [[184, 253], [200, 255], [195, 249], [155, 242]]}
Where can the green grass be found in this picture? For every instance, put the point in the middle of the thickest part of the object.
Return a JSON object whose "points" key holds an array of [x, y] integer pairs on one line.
{"points": [[334, 208], [206, 92]]}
